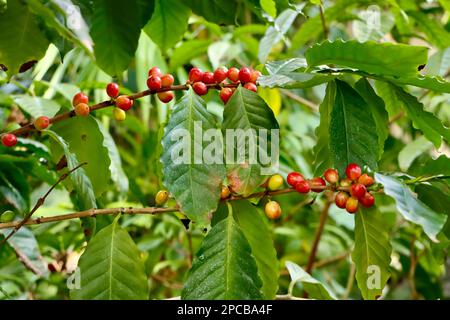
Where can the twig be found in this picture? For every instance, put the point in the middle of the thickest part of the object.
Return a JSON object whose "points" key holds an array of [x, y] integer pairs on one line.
{"points": [[324, 24], [350, 281], [39, 203], [412, 269], [148, 210], [30, 126], [293, 96], [191, 248], [313, 253]]}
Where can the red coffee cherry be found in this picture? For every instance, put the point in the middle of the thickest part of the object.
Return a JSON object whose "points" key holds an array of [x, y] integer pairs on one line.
{"points": [[165, 96], [255, 74], [272, 210], [41, 123], [225, 192], [155, 71], [233, 74], [293, 178], [225, 94], [367, 200], [154, 83], [331, 175], [200, 88], [112, 89], [341, 199], [167, 80], [366, 180], [9, 140], [251, 86], [124, 103], [353, 171], [208, 78], [220, 74], [80, 97], [352, 205], [82, 110], [358, 190], [195, 75], [245, 75], [317, 182], [303, 187]]}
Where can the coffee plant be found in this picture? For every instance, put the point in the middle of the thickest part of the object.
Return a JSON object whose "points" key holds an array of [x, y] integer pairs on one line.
{"points": [[207, 149]]}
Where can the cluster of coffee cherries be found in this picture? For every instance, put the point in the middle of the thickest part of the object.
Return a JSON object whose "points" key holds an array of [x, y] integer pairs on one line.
{"points": [[351, 191], [245, 76]]}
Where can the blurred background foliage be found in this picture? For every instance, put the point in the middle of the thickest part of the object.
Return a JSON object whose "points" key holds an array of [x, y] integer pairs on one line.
{"points": [[206, 34]]}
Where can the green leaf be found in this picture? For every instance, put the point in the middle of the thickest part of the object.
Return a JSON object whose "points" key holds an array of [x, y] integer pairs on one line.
{"points": [[187, 51], [111, 268], [10, 192], [195, 184], [432, 28], [314, 288], [115, 32], [117, 174], [36, 106], [86, 141], [285, 66], [20, 39], [428, 123], [275, 33], [411, 151], [52, 22], [371, 57], [224, 267], [322, 159], [217, 11], [168, 23], [247, 112], [269, 6], [378, 110], [372, 252], [27, 250], [251, 222], [410, 207], [437, 84], [82, 184], [282, 74], [353, 137], [436, 200]]}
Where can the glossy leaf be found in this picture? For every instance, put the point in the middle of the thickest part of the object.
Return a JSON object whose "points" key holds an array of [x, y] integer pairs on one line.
{"points": [[372, 252], [27, 250], [117, 174], [86, 141], [427, 122], [37, 106], [248, 112], [371, 57], [275, 33], [188, 50], [115, 33], [411, 151], [323, 159], [81, 182], [353, 137], [194, 183], [111, 268], [251, 221], [217, 11], [21, 39], [167, 26], [410, 207], [314, 288], [224, 267], [378, 110]]}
